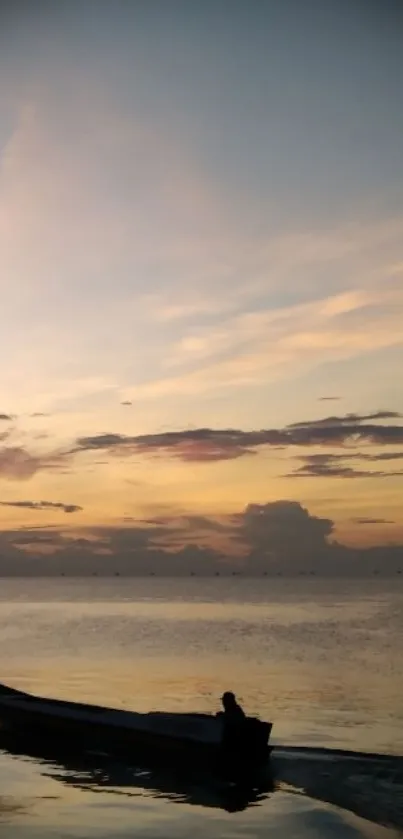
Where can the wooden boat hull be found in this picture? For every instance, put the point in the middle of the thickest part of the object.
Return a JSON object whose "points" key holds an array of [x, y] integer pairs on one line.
{"points": [[124, 732]]}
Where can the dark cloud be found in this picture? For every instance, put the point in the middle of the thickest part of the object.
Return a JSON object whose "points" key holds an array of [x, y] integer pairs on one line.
{"points": [[207, 444], [277, 537], [357, 455], [333, 465], [364, 520], [329, 457], [39, 414], [102, 441], [339, 434], [282, 531], [43, 505], [347, 419], [380, 456], [329, 398], [6, 417], [17, 463], [189, 445], [126, 402]]}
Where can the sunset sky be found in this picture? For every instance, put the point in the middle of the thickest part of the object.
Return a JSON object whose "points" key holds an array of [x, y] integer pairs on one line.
{"points": [[201, 268]]}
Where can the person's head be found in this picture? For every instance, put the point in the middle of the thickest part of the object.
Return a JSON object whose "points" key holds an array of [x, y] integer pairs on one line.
{"points": [[228, 700]]}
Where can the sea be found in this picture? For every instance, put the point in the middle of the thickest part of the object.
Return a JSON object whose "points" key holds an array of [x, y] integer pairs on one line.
{"points": [[321, 659]]}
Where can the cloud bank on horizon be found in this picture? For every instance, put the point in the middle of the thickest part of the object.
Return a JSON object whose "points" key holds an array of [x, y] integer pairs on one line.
{"points": [[278, 538], [200, 243]]}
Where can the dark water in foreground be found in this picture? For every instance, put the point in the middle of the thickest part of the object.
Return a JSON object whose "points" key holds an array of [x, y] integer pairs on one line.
{"points": [[320, 659]]}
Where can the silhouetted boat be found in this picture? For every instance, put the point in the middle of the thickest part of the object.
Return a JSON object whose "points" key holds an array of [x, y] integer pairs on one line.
{"points": [[128, 732]]}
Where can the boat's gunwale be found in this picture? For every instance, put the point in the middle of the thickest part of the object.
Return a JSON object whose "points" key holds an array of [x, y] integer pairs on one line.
{"points": [[207, 730]]}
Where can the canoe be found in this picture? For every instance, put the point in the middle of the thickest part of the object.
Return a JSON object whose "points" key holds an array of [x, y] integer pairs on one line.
{"points": [[126, 732]]}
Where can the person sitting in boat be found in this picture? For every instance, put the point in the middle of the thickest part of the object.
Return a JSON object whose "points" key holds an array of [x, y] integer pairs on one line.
{"points": [[233, 713], [234, 719]]}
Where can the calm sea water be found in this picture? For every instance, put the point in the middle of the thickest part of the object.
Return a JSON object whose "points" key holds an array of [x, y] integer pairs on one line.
{"points": [[321, 659]]}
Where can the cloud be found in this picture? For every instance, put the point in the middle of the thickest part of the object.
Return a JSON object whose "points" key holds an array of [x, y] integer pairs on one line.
{"points": [[6, 418], [18, 464], [265, 343], [198, 445], [341, 431], [380, 456], [126, 402], [347, 419], [357, 455], [328, 471], [281, 529], [365, 520], [42, 505], [207, 444], [103, 441], [329, 465], [276, 537], [328, 398]]}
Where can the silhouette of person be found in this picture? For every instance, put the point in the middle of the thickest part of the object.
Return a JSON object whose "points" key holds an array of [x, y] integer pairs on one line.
{"points": [[233, 713]]}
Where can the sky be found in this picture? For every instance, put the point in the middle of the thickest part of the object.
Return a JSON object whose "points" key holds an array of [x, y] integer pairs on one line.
{"points": [[201, 276]]}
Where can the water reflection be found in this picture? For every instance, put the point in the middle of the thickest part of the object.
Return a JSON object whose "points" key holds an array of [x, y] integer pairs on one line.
{"points": [[97, 772], [369, 785]]}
